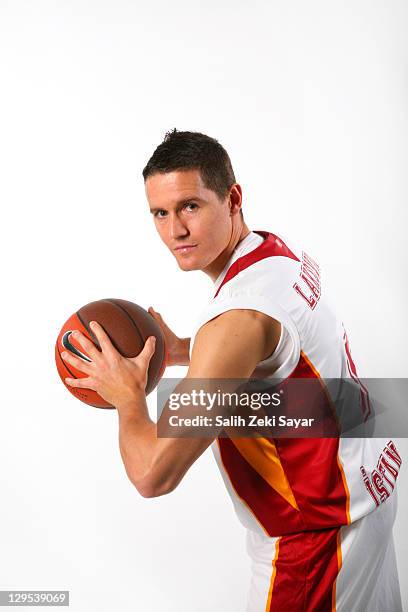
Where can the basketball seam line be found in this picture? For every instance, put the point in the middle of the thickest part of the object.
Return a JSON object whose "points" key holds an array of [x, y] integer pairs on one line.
{"points": [[110, 300]]}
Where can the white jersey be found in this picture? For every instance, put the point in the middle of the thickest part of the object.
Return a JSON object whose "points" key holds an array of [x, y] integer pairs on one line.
{"points": [[286, 486]]}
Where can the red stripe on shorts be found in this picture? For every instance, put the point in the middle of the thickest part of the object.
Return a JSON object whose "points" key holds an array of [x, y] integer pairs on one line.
{"points": [[311, 466], [306, 570]]}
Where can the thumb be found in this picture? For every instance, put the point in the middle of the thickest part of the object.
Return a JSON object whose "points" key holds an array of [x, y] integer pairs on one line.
{"points": [[148, 350]]}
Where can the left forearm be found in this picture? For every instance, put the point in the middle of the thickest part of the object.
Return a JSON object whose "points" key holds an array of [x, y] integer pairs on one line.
{"points": [[137, 441], [154, 465]]}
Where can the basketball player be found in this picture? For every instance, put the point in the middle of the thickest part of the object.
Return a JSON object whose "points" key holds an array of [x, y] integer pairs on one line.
{"points": [[319, 511]]}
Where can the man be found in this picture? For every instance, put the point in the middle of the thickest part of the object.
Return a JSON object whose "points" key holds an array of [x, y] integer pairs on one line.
{"points": [[319, 511]]}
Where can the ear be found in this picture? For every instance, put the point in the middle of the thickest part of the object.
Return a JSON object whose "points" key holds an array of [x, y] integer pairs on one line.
{"points": [[235, 199]]}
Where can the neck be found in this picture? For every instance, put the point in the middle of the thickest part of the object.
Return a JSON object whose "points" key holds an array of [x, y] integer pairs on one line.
{"points": [[216, 267]]}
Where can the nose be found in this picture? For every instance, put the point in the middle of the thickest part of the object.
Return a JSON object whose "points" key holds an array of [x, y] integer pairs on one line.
{"points": [[176, 228]]}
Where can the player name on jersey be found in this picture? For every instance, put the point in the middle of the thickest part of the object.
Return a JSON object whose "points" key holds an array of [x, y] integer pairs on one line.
{"points": [[381, 481], [309, 287]]}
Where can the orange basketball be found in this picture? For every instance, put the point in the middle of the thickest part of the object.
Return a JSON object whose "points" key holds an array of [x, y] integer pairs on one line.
{"points": [[128, 326]]}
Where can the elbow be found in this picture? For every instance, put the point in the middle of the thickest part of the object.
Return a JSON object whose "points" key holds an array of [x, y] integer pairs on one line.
{"points": [[148, 491], [149, 486]]}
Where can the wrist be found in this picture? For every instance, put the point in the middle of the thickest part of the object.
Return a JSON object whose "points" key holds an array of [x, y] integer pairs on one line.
{"points": [[134, 407], [182, 353]]}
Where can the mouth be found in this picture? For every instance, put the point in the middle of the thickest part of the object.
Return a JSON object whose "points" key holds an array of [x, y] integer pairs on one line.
{"points": [[185, 248]]}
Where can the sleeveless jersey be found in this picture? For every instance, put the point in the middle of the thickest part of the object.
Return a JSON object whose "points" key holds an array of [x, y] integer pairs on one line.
{"points": [[285, 485]]}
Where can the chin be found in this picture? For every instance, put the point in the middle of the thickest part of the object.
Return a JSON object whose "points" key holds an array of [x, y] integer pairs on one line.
{"points": [[191, 262], [188, 266]]}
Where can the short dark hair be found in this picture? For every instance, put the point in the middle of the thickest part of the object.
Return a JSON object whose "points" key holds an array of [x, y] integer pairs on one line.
{"points": [[193, 151]]}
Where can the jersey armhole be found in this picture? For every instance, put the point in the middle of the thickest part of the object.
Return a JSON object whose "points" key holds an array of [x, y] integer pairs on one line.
{"points": [[289, 342]]}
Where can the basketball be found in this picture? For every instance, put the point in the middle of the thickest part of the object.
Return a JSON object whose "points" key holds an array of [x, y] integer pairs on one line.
{"points": [[128, 327]]}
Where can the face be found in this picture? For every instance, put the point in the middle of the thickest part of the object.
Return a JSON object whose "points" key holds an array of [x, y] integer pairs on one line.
{"points": [[193, 222]]}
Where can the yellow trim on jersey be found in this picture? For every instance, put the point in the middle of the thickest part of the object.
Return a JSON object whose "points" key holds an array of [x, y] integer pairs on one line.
{"points": [[262, 455], [238, 495], [344, 479], [339, 564], [323, 385]]}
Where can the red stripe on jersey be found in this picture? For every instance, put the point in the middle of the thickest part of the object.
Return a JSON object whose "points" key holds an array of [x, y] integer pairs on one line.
{"points": [[272, 246], [306, 569], [270, 509], [312, 468]]}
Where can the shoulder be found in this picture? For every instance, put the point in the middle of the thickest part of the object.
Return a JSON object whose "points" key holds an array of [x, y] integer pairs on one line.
{"points": [[273, 265], [235, 322], [232, 343]]}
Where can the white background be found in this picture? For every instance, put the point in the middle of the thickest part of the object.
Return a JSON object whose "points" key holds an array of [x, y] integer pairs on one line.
{"points": [[310, 100]]}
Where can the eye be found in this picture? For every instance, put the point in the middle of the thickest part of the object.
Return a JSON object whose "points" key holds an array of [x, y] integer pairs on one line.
{"points": [[158, 214], [190, 206]]}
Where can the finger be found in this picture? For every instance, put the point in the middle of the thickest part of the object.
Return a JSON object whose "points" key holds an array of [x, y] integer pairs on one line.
{"points": [[89, 346], [78, 363], [81, 383], [155, 315], [159, 319], [103, 339], [148, 351]]}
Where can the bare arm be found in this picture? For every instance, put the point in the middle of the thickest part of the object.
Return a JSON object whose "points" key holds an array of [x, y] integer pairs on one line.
{"points": [[229, 346]]}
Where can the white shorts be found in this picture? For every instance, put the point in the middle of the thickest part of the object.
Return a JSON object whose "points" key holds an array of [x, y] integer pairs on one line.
{"points": [[347, 569]]}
